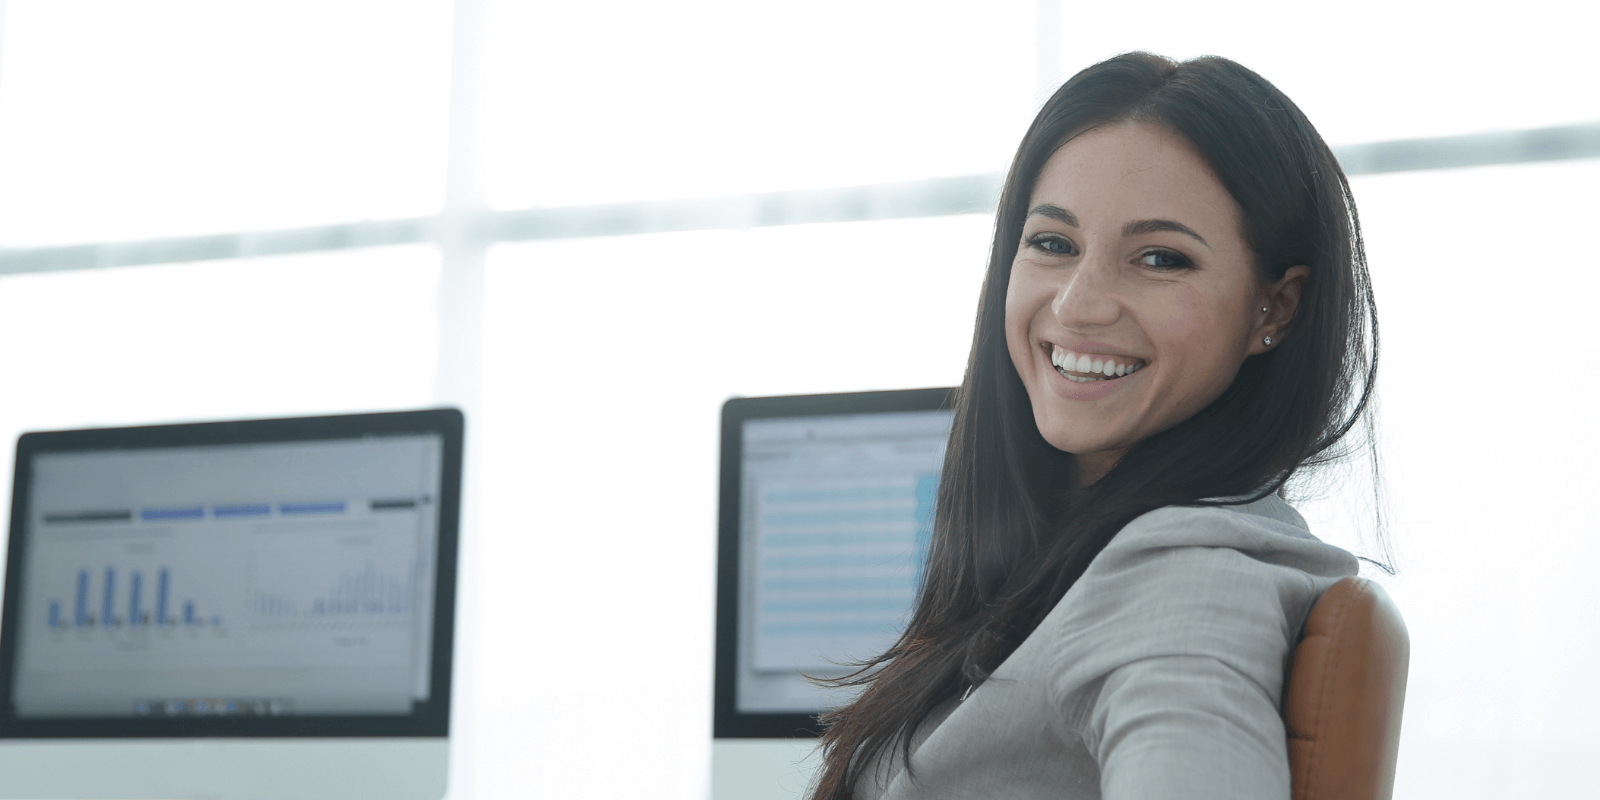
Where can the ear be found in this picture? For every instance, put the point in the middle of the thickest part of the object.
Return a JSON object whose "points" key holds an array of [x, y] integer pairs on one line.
{"points": [[1280, 298]]}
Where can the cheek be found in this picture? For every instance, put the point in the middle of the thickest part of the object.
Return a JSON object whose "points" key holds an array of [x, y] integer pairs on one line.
{"points": [[1202, 335]]}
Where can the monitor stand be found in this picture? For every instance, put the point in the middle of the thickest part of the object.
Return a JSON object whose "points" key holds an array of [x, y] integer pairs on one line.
{"points": [[762, 769]]}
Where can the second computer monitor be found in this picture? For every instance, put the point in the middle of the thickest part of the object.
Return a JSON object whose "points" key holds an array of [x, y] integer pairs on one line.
{"points": [[826, 515]]}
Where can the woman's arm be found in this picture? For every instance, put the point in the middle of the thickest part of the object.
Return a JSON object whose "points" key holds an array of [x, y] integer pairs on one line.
{"points": [[1188, 727], [1173, 662]]}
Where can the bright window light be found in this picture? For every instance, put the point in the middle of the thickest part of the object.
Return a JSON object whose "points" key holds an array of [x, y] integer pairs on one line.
{"points": [[139, 120], [594, 102], [589, 103], [606, 363], [1486, 405], [322, 333], [1372, 70]]}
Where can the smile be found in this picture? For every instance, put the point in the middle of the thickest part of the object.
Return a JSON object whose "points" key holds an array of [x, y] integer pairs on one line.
{"points": [[1084, 368]]}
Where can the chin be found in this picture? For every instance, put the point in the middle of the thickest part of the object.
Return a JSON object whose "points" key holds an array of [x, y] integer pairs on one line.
{"points": [[1069, 438]]}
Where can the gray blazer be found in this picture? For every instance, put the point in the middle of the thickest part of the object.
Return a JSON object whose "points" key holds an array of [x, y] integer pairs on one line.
{"points": [[1159, 675]]}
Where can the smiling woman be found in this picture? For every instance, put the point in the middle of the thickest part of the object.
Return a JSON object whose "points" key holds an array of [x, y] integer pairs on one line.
{"points": [[1171, 300], [1176, 320]]}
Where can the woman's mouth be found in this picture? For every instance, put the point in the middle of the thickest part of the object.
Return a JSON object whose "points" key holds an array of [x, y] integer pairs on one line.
{"points": [[1085, 368]]}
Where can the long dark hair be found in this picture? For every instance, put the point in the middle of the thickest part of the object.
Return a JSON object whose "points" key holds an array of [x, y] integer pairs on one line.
{"points": [[1005, 547]]}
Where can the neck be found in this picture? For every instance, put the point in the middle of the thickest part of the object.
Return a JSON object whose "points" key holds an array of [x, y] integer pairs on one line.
{"points": [[1090, 467]]}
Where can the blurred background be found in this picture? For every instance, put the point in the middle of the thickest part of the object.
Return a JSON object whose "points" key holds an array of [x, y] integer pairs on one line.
{"points": [[588, 224]]}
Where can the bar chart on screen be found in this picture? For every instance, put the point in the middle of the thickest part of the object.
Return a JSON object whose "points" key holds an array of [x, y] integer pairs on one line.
{"points": [[133, 593], [837, 564], [358, 573], [98, 599], [227, 583], [369, 591]]}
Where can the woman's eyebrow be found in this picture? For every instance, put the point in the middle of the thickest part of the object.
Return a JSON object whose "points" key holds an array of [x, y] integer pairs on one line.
{"points": [[1155, 225], [1054, 212]]}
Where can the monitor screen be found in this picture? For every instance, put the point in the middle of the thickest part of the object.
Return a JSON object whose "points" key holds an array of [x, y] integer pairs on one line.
{"points": [[266, 578], [822, 544]]}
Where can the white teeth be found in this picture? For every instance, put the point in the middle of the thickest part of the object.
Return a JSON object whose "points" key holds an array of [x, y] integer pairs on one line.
{"points": [[1073, 362]]}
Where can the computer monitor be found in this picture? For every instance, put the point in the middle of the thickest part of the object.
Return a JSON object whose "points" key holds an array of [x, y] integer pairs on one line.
{"points": [[826, 510], [254, 609]]}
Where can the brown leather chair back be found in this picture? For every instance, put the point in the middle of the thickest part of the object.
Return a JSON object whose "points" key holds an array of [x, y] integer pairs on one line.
{"points": [[1346, 689]]}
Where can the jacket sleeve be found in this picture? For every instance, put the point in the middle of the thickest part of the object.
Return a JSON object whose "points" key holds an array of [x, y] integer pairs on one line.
{"points": [[1188, 727], [1172, 671]]}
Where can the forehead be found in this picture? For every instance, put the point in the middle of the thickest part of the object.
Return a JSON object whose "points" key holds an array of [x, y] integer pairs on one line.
{"points": [[1120, 173]]}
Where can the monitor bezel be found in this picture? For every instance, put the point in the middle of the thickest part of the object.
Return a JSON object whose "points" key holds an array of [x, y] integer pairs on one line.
{"points": [[728, 722], [427, 719]]}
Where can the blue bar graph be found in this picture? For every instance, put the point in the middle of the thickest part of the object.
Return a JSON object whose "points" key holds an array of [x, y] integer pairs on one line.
{"points": [[80, 614], [106, 617], [135, 616], [161, 598]]}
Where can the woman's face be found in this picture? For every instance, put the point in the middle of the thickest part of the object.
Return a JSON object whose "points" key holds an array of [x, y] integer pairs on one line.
{"points": [[1133, 299]]}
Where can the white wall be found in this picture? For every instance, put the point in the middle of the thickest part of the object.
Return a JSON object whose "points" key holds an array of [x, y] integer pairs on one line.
{"points": [[1486, 293]]}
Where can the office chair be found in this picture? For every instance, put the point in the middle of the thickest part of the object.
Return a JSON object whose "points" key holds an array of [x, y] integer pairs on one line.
{"points": [[1346, 690]]}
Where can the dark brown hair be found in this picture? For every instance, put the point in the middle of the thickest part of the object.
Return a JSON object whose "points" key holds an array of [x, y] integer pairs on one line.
{"points": [[1010, 535]]}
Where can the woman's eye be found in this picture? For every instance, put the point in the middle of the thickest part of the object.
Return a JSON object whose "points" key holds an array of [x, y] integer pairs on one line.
{"points": [[1165, 259], [1053, 245]]}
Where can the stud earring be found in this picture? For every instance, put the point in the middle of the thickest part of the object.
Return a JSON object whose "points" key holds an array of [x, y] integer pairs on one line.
{"points": [[1263, 309], [1266, 340]]}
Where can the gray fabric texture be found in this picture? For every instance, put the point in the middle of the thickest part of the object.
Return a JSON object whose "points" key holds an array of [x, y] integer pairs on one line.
{"points": [[1159, 675]]}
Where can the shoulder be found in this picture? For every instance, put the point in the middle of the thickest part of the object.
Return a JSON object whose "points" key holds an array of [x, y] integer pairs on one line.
{"points": [[1231, 583], [1217, 549], [1268, 531], [1210, 559]]}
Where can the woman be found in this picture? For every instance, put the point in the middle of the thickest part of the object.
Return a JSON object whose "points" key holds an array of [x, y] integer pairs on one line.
{"points": [[1176, 318]]}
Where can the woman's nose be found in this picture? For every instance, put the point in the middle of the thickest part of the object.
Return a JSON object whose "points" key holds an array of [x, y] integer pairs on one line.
{"points": [[1087, 297]]}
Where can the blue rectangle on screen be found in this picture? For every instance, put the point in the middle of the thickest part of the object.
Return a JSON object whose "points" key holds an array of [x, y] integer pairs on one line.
{"points": [[311, 508], [163, 514], [242, 510], [834, 583], [927, 492], [838, 605], [834, 561], [832, 539], [854, 495], [832, 628], [843, 515]]}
